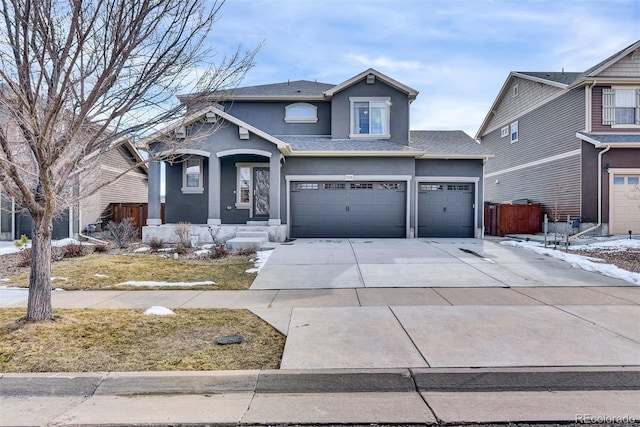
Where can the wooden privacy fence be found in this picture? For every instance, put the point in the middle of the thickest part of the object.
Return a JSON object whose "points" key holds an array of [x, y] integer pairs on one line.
{"points": [[501, 219], [116, 212]]}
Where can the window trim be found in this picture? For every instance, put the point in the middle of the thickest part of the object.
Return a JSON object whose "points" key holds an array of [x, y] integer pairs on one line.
{"points": [[504, 131], [193, 190], [310, 119], [369, 99], [251, 166], [612, 108], [517, 128]]}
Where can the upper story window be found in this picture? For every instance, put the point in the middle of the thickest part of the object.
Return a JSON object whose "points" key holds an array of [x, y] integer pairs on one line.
{"points": [[192, 175], [301, 112], [621, 107], [514, 131], [370, 117]]}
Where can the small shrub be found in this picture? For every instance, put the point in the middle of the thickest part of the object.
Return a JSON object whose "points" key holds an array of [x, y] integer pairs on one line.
{"points": [[182, 249], [218, 251], [156, 244], [182, 230], [101, 249], [75, 251], [25, 257], [22, 241], [122, 232], [245, 252]]}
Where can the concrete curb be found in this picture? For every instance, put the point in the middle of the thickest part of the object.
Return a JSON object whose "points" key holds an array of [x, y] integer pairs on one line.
{"points": [[321, 381]]}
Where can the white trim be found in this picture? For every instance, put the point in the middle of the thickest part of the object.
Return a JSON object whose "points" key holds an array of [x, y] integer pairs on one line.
{"points": [[193, 190], [446, 179], [599, 144], [313, 119], [251, 166], [536, 163], [185, 151], [71, 222], [412, 93], [351, 178], [369, 100], [612, 173], [243, 151]]}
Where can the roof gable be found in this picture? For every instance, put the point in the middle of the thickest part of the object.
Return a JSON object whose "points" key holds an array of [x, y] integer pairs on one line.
{"points": [[411, 93], [628, 53]]}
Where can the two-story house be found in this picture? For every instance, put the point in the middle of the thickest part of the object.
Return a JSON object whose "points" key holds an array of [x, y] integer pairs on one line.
{"points": [[571, 141], [309, 159]]}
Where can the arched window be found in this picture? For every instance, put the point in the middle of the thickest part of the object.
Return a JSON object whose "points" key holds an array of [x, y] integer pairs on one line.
{"points": [[301, 112]]}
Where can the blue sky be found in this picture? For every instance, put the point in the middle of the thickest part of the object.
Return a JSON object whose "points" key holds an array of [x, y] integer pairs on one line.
{"points": [[456, 53]]}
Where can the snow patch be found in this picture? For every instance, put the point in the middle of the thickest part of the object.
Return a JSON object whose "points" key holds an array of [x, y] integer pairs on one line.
{"points": [[578, 261], [611, 245], [142, 249], [201, 252], [102, 276], [157, 310], [59, 278], [4, 279], [65, 242], [260, 260], [165, 284]]}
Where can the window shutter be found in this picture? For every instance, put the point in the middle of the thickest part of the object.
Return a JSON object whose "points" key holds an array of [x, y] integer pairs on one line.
{"points": [[638, 107], [608, 106]]}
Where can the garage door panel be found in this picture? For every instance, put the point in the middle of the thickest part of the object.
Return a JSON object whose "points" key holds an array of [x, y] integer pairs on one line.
{"points": [[354, 209], [445, 210], [625, 204]]}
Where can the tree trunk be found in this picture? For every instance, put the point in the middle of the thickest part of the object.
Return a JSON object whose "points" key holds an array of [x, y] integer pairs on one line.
{"points": [[39, 305]]}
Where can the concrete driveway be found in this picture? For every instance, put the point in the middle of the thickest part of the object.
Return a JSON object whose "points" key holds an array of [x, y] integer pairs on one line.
{"points": [[415, 263]]}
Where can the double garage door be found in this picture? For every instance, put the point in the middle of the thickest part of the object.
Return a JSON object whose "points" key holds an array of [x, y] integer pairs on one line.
{"points": [[378, 209]]}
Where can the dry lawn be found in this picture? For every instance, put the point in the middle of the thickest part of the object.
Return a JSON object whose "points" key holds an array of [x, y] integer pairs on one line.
{"points": [[105, 272], [127, 340]]}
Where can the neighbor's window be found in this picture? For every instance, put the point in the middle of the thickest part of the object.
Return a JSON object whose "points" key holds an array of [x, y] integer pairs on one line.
{"points": [[192, 175], [370, 117], [301, 112], [514, 131], [621, 106]]}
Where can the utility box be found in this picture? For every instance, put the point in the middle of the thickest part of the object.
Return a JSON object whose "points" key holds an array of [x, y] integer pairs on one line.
{"points": [[501, 219]]}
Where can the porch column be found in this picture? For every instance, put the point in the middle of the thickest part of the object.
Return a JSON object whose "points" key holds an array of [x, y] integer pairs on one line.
{"points": [[153, 213], [213, 217], [274, 190]]}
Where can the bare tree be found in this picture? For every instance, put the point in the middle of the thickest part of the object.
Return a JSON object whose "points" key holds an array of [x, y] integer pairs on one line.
{"points": [[77, 79]]}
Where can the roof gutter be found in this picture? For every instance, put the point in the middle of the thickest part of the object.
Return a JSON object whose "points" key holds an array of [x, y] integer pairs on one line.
{"points": [[599, 224]]}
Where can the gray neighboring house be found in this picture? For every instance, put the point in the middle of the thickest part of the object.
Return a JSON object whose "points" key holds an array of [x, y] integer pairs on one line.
{"points": [[571, 141], [308, 159]]}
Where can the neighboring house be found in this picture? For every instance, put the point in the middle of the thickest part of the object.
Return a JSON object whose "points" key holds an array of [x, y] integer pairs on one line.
{"points": [[571, 141], [308, 159], [131, 188]]}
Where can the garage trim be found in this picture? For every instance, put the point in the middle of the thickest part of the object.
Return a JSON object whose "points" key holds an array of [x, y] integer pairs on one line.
{"points": [[465, 179], [347, 178], [612, 173]]}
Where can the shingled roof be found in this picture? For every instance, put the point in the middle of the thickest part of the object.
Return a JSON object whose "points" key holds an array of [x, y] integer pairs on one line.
{"points": [[446, 143], [325, 143], [562, 77]]}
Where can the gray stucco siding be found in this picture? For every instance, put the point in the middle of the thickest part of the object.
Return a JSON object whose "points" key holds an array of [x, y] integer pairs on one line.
{"points": [[181, 207], [269, 117], [399, 111]]}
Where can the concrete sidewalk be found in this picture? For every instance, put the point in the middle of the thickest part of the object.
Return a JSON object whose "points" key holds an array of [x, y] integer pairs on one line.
{"points": [[418, 396]]}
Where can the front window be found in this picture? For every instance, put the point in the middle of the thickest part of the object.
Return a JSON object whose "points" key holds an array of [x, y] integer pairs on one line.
{"points": [[621, 106], [192, 175], [370, 117], [301, 112]]}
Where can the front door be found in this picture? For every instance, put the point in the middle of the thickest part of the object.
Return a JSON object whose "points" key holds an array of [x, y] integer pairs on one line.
{"points": [[260, 192]]}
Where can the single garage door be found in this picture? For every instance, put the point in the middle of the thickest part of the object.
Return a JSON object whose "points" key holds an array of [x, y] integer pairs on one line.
{"points": [[625, 208], [348, 209], [445, 209]]}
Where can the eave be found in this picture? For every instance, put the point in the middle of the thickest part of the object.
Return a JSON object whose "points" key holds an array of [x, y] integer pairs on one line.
{"points": [[411, 93]]}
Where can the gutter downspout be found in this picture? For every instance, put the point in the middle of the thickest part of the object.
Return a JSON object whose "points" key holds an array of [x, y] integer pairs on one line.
{"points": [[599, 224]]}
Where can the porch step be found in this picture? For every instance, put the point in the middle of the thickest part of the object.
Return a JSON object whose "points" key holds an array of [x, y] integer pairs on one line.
{"points": [[253, 233], [263, 223], [248, 240]]}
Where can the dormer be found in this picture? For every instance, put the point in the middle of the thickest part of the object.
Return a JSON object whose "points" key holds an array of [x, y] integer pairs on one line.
{"points": [[371, 106]]}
